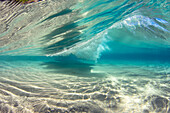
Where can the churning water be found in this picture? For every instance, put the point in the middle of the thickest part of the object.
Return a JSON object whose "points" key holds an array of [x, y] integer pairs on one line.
{"points": [[85, 56]]}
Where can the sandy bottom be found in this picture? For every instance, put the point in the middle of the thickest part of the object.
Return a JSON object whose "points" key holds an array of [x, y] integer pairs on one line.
{"points": [[54, 87]]}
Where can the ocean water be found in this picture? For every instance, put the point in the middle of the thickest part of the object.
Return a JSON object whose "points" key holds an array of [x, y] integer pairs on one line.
{"points": [[85, 56]]}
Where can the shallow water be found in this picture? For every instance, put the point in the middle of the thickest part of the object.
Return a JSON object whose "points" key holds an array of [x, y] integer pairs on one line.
{"points": [[85, 56]]}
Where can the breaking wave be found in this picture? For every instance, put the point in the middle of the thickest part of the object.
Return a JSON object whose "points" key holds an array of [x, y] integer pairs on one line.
{"points": [[92, 56], [84, 28]]}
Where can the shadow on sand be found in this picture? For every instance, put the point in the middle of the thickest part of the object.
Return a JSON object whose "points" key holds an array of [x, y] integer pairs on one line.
{"points": [[71, 68], [76, 68]]}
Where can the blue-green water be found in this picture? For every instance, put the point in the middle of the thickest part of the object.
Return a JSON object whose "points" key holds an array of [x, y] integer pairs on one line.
{"points": [[89, 56]]}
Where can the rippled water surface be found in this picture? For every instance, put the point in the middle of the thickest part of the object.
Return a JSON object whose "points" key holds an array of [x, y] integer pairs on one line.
{"points": [[88, 56]]}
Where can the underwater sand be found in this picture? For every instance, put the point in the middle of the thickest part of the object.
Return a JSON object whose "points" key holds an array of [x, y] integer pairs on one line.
{"points": [[47, 86]]}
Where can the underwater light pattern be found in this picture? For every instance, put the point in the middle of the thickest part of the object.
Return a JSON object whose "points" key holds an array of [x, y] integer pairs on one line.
{"points": [[84, 56]]}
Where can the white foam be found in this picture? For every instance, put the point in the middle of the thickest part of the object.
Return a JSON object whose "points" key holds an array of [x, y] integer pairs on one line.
{"points": [[90, 49]]}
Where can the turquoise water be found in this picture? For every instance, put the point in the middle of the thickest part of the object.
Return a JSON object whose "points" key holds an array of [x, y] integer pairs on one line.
{"points": [[89, 56]]}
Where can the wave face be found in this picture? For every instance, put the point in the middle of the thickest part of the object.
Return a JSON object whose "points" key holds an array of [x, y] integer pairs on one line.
{"points": [[94, 56], [55, 28]]}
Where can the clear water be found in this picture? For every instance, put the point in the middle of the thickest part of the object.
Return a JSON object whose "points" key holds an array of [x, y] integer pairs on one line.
{"points": [[90, 56]]}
